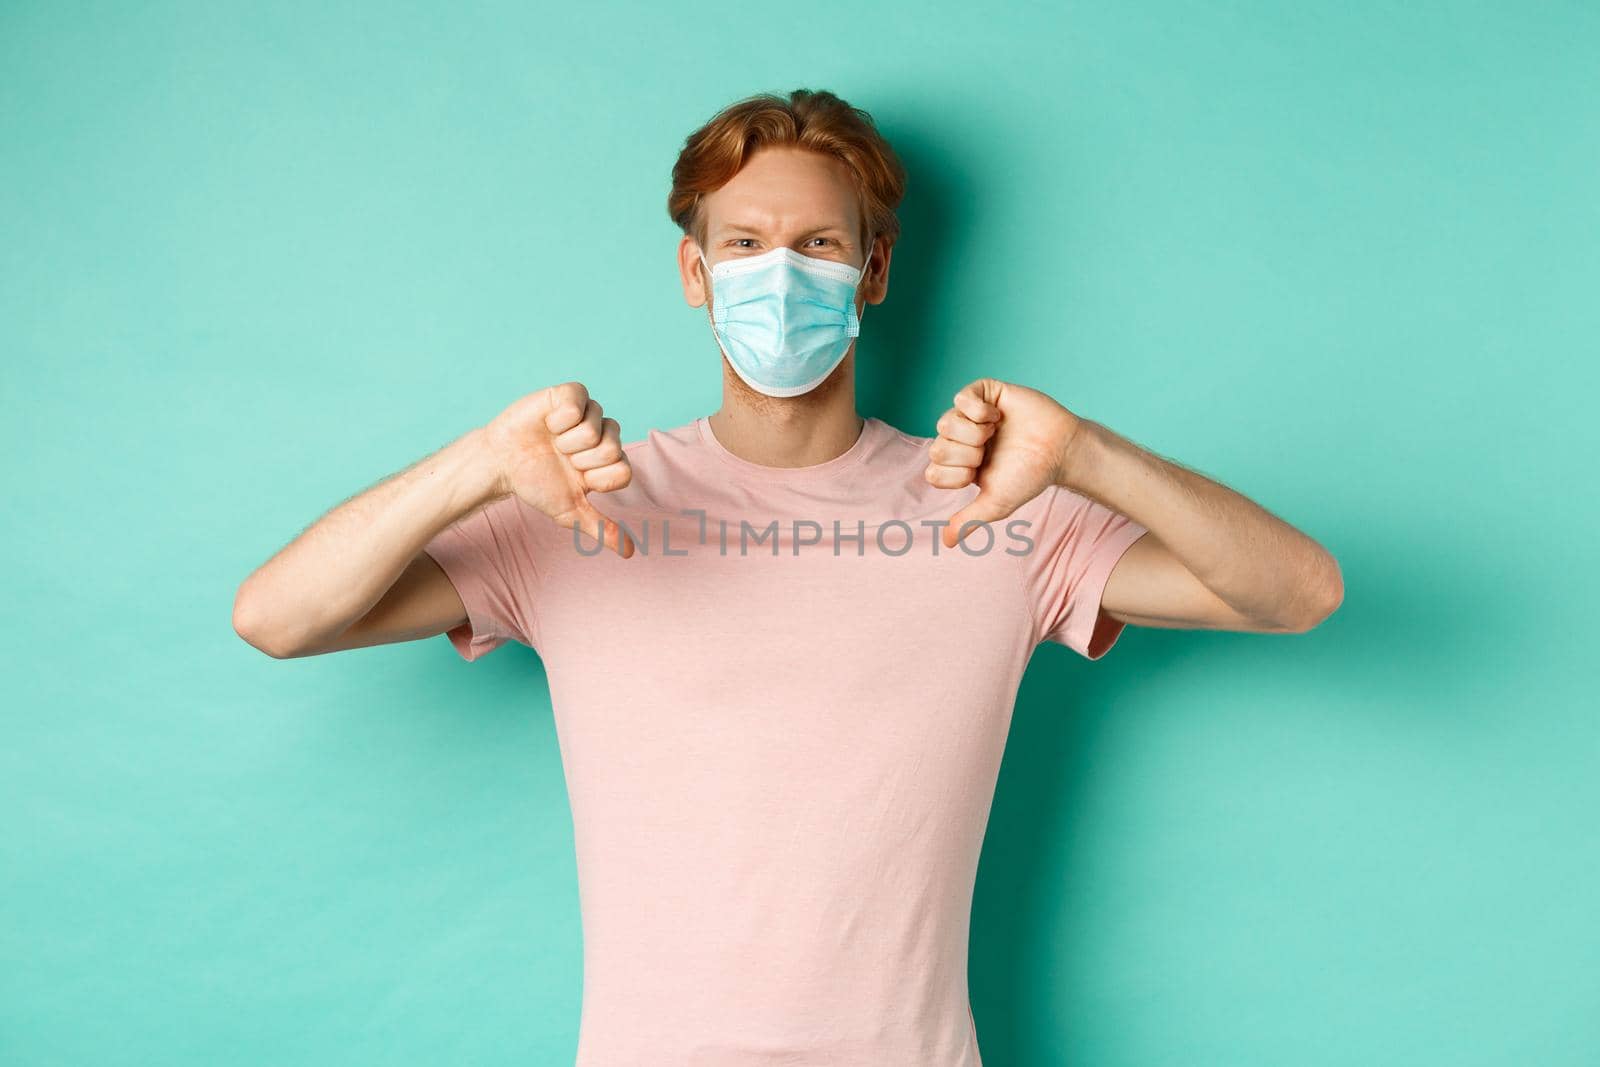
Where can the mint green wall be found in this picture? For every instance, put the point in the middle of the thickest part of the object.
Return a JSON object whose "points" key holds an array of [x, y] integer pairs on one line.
{"points": [[256, 259]]}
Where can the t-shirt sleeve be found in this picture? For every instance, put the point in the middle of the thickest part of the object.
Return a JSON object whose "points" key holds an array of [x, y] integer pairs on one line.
{"points": [[1077, 542], [488, 556]]}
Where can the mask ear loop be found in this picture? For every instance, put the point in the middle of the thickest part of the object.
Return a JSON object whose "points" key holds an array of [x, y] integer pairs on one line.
{"points": [[702, 255], [710, 292], [871, 242]]}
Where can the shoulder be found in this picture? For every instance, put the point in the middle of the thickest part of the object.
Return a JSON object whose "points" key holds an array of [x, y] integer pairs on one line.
{"points": [[656, 444], [664, 463], [896, 449], [896, 439]]}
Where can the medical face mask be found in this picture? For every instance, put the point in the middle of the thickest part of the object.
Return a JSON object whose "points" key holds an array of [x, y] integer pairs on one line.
{"points": [[784, 320]]}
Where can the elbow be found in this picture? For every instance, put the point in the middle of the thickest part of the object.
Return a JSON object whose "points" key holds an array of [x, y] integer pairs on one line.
{"points": [[254, 626], [1323, 599]]}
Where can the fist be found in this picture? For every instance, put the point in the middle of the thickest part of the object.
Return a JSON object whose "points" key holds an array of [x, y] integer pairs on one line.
{"points": [[1009, 440], [553, 448]]}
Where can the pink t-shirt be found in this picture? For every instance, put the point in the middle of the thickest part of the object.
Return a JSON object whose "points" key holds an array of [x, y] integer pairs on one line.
{"points": [[781, 736]]}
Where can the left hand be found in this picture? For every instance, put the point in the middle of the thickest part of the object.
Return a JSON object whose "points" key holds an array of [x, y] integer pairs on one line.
{"points": [[1009, 440]]}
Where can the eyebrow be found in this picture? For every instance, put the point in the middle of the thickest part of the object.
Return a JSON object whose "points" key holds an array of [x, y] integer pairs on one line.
{"points": [[739, 227]]}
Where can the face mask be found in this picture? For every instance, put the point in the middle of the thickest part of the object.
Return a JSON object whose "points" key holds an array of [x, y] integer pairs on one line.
{"points": [[784, 320]]}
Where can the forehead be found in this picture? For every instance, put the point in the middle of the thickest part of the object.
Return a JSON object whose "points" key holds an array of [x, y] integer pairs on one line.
{"points": [[782, 190]]}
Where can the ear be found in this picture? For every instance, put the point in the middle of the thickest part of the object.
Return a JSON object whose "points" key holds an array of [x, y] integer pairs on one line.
{"points": [[875, 286], [691, 273]]}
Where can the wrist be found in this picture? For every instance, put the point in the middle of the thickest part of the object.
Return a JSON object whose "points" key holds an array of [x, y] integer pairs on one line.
{"points": [[1076, 443], [477, 468]]}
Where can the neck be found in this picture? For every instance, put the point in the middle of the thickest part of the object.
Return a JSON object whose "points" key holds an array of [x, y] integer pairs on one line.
{"points": [[797, 431]]}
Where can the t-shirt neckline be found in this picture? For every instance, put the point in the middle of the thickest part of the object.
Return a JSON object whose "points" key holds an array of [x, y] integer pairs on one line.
{"points": [[870, 428]]}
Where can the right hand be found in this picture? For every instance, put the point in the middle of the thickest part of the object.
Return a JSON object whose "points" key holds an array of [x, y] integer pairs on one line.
{"points": [[553, 448]]}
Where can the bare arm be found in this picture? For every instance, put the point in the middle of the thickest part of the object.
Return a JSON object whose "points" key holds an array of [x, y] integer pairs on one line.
{"points": [[1211, 559], [359, 577], [1214, 559]]}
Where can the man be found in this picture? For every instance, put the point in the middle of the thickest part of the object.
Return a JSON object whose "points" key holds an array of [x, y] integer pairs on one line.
{"points": [[783, 693]]}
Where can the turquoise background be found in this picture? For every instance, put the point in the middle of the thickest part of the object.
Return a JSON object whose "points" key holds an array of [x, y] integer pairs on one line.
{"points": [[1342, 257]]}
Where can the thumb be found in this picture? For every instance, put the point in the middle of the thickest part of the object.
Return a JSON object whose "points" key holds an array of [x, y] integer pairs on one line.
{"points": [[591, 523], [983, 508]]}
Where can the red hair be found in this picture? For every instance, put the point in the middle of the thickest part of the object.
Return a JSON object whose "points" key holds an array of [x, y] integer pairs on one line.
{"points": [[816, 120]]}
